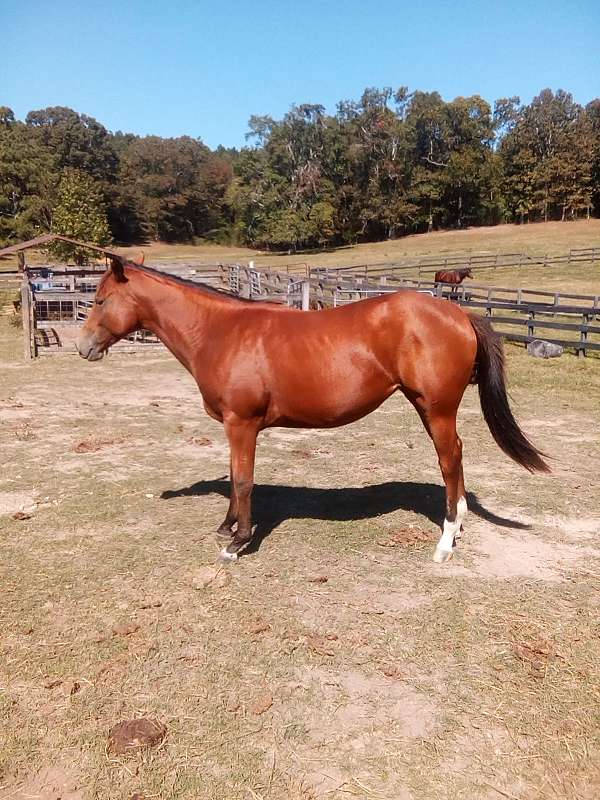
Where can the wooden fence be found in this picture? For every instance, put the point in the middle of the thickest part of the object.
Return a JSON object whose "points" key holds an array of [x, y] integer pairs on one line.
{"points": [[55, 302], [569, 325], [520, 315], [50, 316], [426, 265]]}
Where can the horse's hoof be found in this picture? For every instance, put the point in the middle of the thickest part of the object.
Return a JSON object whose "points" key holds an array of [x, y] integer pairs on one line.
{"points": [[224, 535], [225, 557], [441, 556]]}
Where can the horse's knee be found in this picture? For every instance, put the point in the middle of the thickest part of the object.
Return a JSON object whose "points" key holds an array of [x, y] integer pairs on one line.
{"points": [[243, 487]]}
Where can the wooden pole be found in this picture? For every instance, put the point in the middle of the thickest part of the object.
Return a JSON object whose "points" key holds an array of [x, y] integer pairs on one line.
{"points": [[27, 317], [305, 295]]}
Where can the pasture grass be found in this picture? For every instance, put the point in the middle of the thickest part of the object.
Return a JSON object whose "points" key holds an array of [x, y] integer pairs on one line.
{"points": [[550, 238], [334, 661]]}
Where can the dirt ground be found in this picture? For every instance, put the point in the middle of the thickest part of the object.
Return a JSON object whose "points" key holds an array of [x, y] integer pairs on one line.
{"points": [[335, 659]]}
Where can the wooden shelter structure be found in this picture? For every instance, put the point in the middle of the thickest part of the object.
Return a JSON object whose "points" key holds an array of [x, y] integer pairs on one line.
{"points": [[45, 240], [54, 296]]}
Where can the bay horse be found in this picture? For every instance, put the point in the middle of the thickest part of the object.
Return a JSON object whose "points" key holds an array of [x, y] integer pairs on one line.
{"points": [[259, 365], [455, 276]]}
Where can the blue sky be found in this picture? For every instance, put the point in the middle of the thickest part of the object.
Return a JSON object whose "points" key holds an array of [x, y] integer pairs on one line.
{"points": [[196, 68]]}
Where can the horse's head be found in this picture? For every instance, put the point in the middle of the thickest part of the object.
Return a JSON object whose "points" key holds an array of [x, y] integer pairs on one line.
{"points": [[468, 273], [113, 315]]}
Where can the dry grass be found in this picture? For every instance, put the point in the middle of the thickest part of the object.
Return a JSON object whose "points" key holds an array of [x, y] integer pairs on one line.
{"points": [[335, 661], [536, 239]]}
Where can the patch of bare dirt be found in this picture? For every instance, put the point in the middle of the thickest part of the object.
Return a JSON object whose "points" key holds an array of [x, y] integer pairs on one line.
{"points": [[354, 707], [523, 555], [576, 528], [356, 714], [56, 782], [17, 501]]}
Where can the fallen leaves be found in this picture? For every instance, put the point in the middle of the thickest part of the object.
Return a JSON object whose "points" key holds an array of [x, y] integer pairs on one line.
{"points": [[302, 453], [125, 629], [22, 515], [318, 579], [134, 734], [70, 687], [24, 432], [259, 627], [406, 536], [321, 645], [199, 441], [536, 654], [95, 443], [392, 671], [261, 704]]}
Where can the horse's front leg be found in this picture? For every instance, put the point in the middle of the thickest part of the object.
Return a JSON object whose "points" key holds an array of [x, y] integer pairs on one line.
{"points": [[242, 442], [225, 529]]}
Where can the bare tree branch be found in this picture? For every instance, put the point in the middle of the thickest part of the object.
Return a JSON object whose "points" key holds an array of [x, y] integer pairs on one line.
{"points": [[435, 163]]}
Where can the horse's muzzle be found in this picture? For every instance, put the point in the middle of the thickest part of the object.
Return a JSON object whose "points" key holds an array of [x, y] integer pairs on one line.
{"points": [[88, 348]]}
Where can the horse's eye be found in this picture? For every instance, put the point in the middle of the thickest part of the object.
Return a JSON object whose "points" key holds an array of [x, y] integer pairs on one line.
{"points": [[99, 301]]}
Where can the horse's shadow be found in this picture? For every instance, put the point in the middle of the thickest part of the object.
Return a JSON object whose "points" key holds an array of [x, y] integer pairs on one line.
{"points": [[273, 504]]}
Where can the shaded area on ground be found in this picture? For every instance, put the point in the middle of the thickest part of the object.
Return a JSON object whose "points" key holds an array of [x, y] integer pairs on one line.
{"points": [[272, 505]]}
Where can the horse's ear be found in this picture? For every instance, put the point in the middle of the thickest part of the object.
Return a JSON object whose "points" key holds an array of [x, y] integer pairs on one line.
{"points": [[141, 261], [117, 266]]}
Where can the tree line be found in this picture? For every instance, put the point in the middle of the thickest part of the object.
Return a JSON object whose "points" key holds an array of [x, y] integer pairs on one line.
{"points": [[388, 164]]}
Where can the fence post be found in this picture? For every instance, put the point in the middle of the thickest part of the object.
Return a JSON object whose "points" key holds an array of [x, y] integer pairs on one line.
{"points": [[581, 350], [305, 295], [531, 325], [27, 317]]}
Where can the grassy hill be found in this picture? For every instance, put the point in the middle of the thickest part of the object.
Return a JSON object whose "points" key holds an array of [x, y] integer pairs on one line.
{"points": [[539, 238], [535, 239]]}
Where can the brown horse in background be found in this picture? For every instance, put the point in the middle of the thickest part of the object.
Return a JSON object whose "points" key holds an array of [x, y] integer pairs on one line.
{"points": [[455, 276], [260, 365]]}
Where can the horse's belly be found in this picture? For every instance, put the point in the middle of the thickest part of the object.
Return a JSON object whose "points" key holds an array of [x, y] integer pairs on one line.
{"points": [[328, 408]]}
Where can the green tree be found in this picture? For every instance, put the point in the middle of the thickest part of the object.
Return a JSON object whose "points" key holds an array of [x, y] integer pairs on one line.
{"points": [[548, 158], [27, 181], [174, 187], [79, 214]]}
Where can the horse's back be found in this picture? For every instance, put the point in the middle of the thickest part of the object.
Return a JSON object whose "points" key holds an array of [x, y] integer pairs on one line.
{"points": [[327, 368]]}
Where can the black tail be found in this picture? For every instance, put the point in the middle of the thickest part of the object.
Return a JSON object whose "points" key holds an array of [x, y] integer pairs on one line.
{"points": [[494, 401]]}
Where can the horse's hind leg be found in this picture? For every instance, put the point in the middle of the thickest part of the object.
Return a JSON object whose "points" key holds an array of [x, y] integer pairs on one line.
{"points": [[442, 429]]}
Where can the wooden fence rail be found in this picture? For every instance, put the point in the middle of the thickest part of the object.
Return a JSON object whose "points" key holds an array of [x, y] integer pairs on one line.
{"points": [[430, 264], [525, 310]]}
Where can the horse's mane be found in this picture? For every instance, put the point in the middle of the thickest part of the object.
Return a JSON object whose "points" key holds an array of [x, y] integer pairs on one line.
{"points": [[198, 286]]}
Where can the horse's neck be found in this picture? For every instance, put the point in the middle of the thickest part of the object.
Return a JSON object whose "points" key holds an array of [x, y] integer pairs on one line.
{"points": [[180, 316]]}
